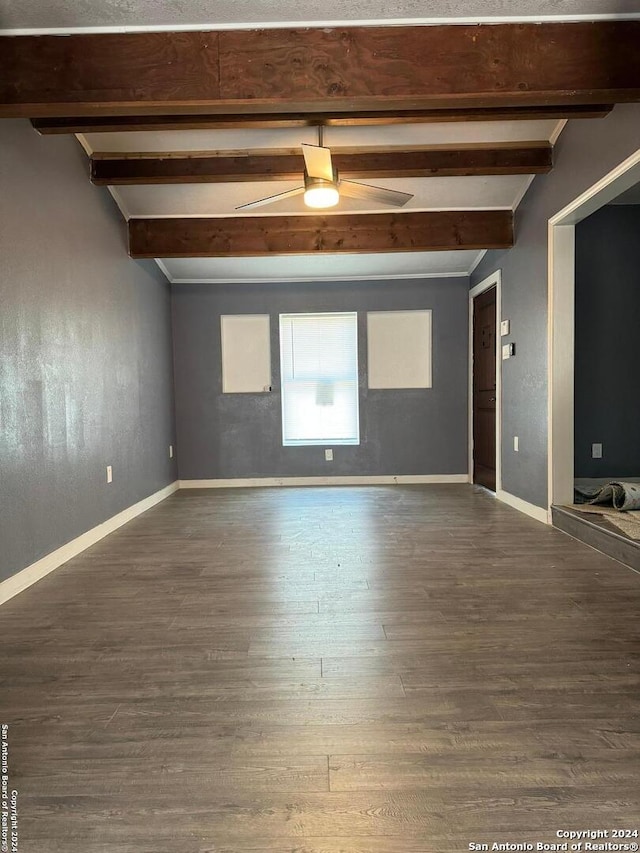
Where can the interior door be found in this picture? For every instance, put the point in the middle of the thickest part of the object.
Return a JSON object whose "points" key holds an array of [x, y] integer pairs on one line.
{"points": [[484, 389]]}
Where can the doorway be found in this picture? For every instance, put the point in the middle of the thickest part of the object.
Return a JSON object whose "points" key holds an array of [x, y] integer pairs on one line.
{"points": [[561, 337], [484, 426]]}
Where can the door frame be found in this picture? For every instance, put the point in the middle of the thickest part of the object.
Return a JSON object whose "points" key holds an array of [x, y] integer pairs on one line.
{"points": [[493, 280], [561, 323]]}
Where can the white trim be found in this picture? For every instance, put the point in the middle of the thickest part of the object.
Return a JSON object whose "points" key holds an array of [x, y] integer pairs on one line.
{"points": [[302, 280], [493, 280], [310, 213], [84, 142], [120, 202], [164, 270], [614, 183], [486, 283], [557, 130], [475, 264], [374, 480], [537, 512], [560, 361], [561, 322], [522, 193], [298, 24], [36, 571]]}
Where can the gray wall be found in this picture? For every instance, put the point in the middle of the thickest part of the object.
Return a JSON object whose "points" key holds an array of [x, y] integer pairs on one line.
{"points": [[85, 353], [239, 435], [586, 151], [607, 401]]}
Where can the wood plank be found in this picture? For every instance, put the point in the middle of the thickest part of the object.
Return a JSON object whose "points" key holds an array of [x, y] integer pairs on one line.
{"points": [[458, 813], [337, 118], [589, 739], [142, 716], [505, 158], [417, 771], [109, 74], [213, 688], [222, 777], [309, 234], [436, 66], [320, 70]]}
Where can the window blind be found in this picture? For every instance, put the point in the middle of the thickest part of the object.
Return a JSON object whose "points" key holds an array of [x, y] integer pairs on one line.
{"points": [[319, 366]]}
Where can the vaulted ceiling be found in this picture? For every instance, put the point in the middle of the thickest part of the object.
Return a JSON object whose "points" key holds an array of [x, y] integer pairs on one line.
{"points": [[184, 128]]}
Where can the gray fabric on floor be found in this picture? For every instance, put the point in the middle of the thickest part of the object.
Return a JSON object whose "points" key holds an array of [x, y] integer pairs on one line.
{"points": [[623, 495]]}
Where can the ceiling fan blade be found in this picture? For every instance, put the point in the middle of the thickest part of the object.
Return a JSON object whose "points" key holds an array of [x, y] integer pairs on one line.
{"points": [[317, 159], [354, 189], [271, 199]]}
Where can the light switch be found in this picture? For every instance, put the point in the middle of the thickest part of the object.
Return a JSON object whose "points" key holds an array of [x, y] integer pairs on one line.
{"points": [[504, 328]]}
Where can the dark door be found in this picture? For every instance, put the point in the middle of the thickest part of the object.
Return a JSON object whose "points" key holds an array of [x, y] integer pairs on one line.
{"points": [[484, 389]]}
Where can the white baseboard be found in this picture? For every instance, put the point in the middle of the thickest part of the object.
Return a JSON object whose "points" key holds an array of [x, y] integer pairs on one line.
{"points": [[36, 571], [527, 508], [374, 480]]}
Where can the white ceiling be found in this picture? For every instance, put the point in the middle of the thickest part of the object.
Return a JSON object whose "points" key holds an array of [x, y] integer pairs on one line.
{"points": [[472, 193], [67, 15], [320, 267]]}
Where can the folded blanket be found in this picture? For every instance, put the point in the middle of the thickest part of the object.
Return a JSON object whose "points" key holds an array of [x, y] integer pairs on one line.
{"points": [[621, 494]]}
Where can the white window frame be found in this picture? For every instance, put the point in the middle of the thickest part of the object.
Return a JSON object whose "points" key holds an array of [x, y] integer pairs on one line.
{"points": [[327, 441]]}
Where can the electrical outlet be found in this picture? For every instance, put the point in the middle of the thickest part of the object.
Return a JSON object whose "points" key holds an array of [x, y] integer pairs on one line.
{"points": [[109, 474], [328, 455], [171, 451], [596, 451], [516, 443]]}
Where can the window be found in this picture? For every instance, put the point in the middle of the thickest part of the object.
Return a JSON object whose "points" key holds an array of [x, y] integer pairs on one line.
{"points": [[319, 365]]}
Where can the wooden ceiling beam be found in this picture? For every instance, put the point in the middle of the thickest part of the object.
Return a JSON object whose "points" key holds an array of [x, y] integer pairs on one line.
{"points": [[320, 70], [313, 234], [136, 124], [497, 159]]}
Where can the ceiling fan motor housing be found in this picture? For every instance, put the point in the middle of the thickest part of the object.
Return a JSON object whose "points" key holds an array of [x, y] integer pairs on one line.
{"points": [[319, 192], [310, 182]]}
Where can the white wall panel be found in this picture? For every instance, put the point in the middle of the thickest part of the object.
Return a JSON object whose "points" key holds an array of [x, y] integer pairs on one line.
{"points": [[399, 349], [246, 353]]}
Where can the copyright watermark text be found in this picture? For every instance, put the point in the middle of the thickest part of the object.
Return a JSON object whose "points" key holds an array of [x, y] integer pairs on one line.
{"points": [[8, 799], [575, 840]]}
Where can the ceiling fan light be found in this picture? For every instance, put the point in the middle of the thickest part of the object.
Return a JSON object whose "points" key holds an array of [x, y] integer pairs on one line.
{"points": [[321, 196]]}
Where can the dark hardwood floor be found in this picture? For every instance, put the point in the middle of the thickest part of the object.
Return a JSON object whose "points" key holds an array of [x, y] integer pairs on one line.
{"points": [[326, 670]]}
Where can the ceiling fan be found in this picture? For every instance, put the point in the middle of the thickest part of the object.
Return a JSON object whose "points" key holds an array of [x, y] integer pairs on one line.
{"points": [[323, 186]]}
